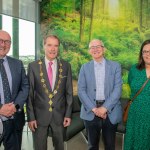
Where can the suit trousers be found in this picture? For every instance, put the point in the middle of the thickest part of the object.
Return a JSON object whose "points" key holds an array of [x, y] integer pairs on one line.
{"points": [[19, 119], [19, 137], [94, 128], [9, 139], [41, 134]]}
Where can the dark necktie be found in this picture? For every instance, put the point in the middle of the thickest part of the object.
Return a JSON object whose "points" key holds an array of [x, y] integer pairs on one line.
{"points": [[6, 87]]}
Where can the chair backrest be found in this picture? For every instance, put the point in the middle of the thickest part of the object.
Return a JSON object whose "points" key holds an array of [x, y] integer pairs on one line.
{"points": [[77, 124], [76, 104]]}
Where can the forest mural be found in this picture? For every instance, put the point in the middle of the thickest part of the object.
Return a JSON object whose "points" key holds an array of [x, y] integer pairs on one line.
{"points": [[121, 24]]}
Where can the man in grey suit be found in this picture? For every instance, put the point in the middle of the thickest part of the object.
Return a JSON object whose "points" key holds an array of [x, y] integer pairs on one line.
{"points": [[99, 89], [11, 110], [50, 97]]}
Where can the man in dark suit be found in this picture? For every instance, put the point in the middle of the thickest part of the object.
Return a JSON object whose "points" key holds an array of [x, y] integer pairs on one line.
{"points": [[11, 112], [50, 96]]}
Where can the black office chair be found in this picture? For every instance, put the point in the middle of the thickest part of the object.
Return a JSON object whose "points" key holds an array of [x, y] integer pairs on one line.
{"points": [[77, 124]]}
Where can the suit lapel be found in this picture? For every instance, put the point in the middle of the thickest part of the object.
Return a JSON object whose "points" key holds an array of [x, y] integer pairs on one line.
{"points": [[45, 75], [57, 74], [12, 67], [92, 73], [107, 74]]}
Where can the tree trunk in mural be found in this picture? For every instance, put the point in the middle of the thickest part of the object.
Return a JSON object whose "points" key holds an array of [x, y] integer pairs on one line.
{"points": [[147, 12], [103, 7], [140, 15], [84, 10], [81, 21], [91, 22], [15, 38], [73, 8]]}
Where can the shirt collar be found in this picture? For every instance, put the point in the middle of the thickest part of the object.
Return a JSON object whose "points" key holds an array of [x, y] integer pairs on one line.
{"points": [[47, 61], [100, 63]]}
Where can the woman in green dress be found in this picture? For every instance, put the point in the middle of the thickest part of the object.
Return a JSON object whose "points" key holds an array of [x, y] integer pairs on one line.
{"points": [[138, 124]]}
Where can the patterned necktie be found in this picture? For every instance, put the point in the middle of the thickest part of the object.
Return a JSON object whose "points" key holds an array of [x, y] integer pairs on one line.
{"points": [[50, 73], [6, 88]]}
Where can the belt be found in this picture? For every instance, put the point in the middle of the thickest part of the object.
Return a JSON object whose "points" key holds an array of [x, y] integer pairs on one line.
{"points": [[100, 102]]}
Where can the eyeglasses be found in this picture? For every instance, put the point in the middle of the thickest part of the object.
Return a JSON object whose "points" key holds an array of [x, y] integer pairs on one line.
{"points": [[145, 52], [6, 42], [96, 47]]}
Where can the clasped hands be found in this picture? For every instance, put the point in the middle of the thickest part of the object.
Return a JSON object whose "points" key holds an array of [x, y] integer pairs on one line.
{"points": [[8, 110], [100, 112]]}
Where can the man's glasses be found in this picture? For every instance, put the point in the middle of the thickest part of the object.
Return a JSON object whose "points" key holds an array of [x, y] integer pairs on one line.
{"points": [[96, 47], [145, 52], [6, 42]]}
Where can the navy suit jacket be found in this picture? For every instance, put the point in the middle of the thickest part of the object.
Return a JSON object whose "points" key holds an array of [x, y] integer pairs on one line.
{"points": [[112, 90], [20, 88]]}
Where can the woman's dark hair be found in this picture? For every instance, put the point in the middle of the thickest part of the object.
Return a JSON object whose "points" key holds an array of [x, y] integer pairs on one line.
{"points": [[141, 63]]}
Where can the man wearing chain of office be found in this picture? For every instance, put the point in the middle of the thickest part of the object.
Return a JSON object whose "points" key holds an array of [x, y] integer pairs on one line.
{"points": [[49, 105]]}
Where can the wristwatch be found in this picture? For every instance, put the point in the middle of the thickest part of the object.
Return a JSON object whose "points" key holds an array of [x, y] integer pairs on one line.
{"points": [[17, 107]]}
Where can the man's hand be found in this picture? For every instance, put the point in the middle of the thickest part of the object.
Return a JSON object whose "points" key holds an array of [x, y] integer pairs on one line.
{"points": [[67, 122], [8, 110], [94, 110], [101, 112], [32, 125]]}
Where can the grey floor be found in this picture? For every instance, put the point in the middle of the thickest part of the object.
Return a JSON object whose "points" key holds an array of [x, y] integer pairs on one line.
{"points": [[76, 143]]}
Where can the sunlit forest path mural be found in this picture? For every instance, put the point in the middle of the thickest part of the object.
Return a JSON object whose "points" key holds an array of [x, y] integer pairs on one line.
{"points": [[121, 24]]}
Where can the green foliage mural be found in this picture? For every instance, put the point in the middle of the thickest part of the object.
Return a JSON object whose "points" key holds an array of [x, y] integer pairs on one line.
{"points": [[121, 24]]}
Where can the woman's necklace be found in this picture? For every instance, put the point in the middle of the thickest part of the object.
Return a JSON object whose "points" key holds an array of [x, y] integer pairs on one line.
{"points": [[54, 92]]}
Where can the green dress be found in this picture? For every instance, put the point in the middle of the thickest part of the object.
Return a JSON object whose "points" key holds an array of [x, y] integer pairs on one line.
{"points": [[138, 124]]}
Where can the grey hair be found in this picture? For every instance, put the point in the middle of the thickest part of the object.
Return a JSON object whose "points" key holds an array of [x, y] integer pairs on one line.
{"points": [[102, 44]]}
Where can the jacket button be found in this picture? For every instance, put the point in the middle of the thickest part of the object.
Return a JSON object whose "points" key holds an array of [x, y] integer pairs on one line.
{"points": [[94, 89]]}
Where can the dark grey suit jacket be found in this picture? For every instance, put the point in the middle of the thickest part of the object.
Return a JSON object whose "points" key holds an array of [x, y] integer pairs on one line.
{"points": [[37, 104]]}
